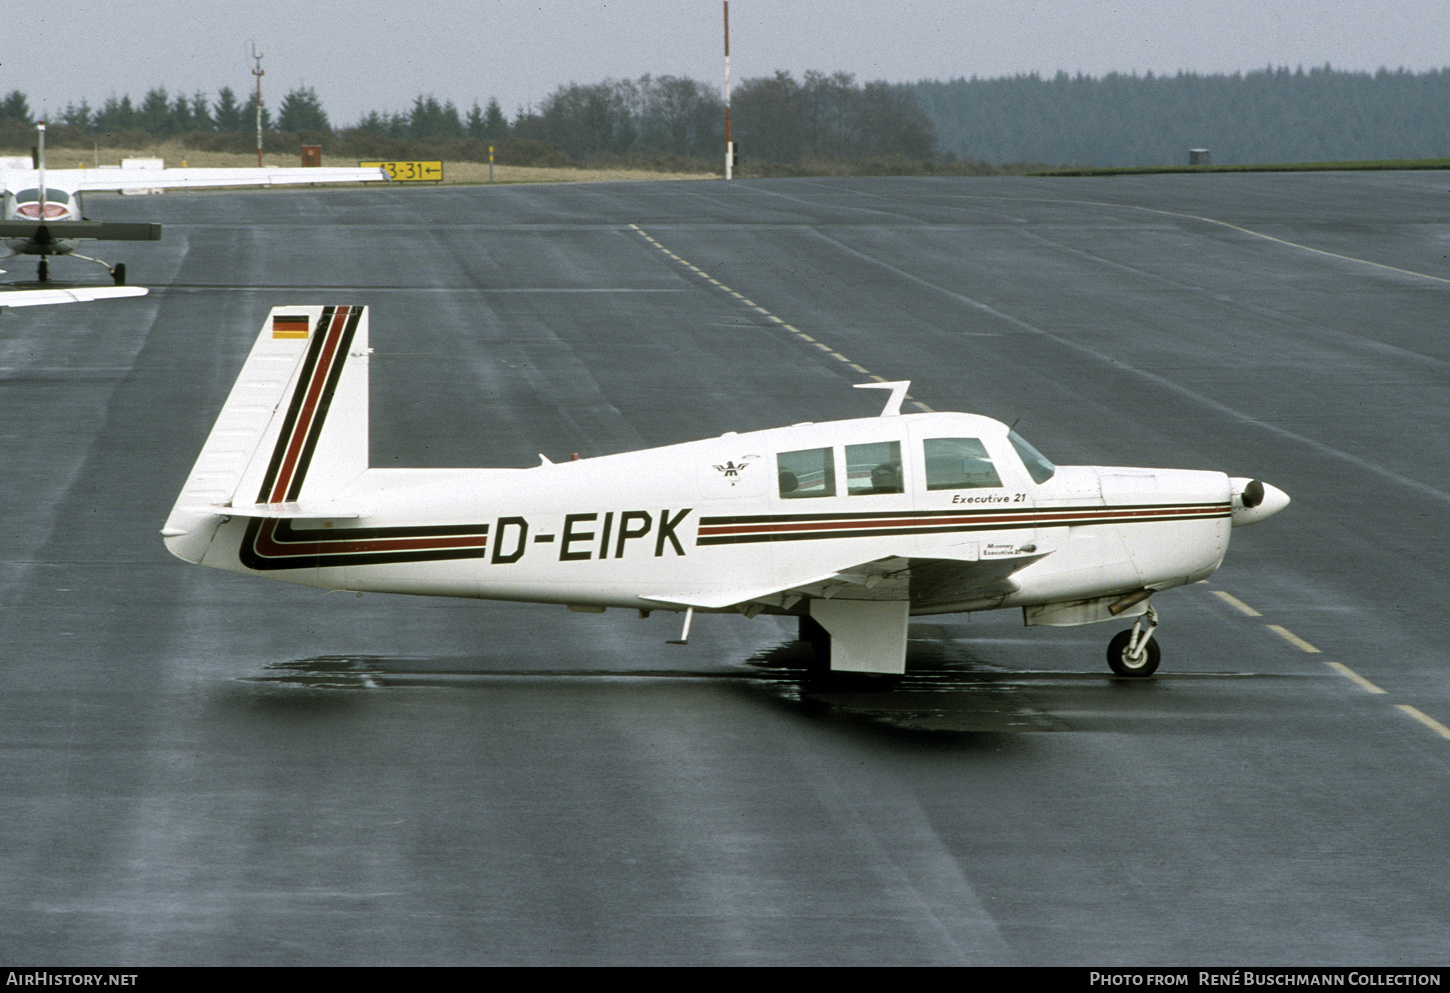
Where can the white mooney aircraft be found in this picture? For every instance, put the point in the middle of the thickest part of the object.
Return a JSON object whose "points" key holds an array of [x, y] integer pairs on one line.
{"points": [[853, 525], [44, 215]]}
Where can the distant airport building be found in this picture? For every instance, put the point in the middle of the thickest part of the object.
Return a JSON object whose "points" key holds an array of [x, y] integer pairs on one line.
{"points": [[1200, 156]]}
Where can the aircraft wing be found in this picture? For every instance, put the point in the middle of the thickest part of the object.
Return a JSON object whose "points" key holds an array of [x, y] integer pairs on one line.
{"points": [[201, 178], [14, 296], [921, 580]]}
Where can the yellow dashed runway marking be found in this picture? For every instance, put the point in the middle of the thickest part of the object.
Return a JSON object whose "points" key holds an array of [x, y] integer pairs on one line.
{"points": [[1292, 638], [1426, 720], [1237, 604], [1338, 667], [1354, 677], [854, 366]]}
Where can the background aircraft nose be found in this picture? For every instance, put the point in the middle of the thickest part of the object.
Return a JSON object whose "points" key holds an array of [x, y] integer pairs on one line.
{"points": [[1255, 500]]}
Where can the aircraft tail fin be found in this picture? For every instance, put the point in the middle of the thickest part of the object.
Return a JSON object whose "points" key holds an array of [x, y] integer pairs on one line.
{"points": [[293, 431]]}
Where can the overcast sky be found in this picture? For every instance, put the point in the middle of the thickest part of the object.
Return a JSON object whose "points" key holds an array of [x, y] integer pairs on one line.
{"points": [[363, 55]]}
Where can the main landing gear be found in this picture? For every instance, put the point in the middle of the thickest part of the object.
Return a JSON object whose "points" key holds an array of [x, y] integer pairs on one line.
{"points": [[117, 271], [1135, 652]]}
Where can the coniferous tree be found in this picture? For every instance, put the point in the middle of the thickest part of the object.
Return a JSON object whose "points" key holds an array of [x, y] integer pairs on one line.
{"points": [[201, 114], [14, 107], [117, 115], [181, 121], [430, 119], [300, 110], [78, 116], [227, 115], [495, 125], [154, 116]]}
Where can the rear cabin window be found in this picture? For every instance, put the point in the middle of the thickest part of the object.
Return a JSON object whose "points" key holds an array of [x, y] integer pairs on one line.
{"points": [[807, 473], [874, 468], [958, 464]]}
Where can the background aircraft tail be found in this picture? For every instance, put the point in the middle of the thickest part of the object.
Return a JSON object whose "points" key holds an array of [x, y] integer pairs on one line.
{"points": [[292, 434]]}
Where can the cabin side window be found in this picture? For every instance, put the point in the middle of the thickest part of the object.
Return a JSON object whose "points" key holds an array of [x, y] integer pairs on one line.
{"points": [[807, 473], [958, 464], [874, 468]]}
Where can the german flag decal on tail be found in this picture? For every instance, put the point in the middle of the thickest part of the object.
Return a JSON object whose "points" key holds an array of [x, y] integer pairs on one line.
{"points": [[290, 325]]}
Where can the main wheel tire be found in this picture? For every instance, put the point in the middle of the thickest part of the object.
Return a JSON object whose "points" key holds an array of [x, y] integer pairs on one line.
{"points": [[1124, 665], [119, 274]]}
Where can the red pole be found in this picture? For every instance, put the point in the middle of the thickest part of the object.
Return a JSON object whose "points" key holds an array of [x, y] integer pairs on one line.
{"points": [[259, 74], [729, 143]]}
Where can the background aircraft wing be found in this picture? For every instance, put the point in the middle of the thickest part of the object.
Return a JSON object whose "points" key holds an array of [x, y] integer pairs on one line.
{"points": [[23, 296], [201, 178]]}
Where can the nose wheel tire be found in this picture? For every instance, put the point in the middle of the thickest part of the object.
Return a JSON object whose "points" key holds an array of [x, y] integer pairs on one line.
{"points": [[1124, 663], [119, 274]]}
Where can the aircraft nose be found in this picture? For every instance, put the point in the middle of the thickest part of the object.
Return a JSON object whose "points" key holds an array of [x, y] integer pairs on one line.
{"points": [[1255, 500]]}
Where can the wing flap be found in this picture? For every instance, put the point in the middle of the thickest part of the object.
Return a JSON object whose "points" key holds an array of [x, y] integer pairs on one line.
{"points": [[883, 578], [921, 580]]}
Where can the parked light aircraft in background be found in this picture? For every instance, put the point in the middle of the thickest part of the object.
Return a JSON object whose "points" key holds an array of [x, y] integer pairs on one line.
{"points": [[44, 216], [854, 526]]}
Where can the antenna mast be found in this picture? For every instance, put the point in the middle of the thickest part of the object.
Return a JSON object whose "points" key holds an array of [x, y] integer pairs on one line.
{"points": [[259, 74]]}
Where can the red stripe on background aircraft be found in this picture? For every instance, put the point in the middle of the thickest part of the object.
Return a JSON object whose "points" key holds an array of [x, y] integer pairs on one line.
{"points": [[853, 526]]}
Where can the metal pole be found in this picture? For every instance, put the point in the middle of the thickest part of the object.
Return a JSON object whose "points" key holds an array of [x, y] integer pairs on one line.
{"points": [[259, 74], [40, 166], [729, 143]]}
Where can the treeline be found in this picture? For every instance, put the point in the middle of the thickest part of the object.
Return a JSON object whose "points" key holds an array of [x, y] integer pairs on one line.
{"points": [[668, 121], [827, 123], [1270, 116]]}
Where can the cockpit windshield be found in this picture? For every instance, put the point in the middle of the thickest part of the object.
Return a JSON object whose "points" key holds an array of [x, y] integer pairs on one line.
{"points": [[1038, 467], [51, 196]]}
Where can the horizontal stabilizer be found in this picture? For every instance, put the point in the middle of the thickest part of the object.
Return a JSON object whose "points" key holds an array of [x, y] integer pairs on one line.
{"points": [[98, 230], [291, 511]]}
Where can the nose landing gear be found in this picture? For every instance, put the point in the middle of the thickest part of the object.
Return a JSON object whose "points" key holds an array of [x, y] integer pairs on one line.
{"points": [[1135, 652]]}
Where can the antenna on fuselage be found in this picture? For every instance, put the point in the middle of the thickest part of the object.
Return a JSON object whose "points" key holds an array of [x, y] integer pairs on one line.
{"points": [[898, 394]]}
